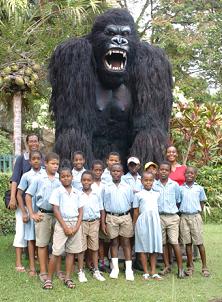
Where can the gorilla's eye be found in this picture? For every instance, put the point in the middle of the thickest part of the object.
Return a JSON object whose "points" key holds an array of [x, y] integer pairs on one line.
{"points": [[125, 33], [115, 60]]}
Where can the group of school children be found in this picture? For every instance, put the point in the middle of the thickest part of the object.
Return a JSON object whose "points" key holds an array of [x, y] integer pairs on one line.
{"points": [[85, 212]]}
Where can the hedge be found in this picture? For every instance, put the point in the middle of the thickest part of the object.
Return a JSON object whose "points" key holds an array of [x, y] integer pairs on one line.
{"points": [[209, 177]]}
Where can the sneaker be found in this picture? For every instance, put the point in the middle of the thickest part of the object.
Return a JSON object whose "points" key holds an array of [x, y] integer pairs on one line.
{"points": [[97, 275], [146, 276], [81, 276], [114, 274], [129, 275]]}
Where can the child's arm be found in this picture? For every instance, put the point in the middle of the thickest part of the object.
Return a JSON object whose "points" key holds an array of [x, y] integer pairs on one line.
{"points": [[103, 223], [25, 216], [68, 231], [37, 217], [135, 215], [79, 221]]}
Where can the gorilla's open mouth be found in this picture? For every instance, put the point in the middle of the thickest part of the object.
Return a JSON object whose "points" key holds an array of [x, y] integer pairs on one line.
{"points": [[115, 60]]}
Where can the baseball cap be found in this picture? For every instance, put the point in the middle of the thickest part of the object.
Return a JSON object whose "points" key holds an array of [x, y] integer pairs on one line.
{"points": [[134, 160], [150, 163]]}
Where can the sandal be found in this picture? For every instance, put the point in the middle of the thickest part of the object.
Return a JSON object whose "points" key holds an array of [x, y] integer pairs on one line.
{"points": [[47, 284], [32, 273], [69, 284], [43, 277], [20, 269], [165, 271], [189, 272], [156, 277], [60, 275], [205, 272]]}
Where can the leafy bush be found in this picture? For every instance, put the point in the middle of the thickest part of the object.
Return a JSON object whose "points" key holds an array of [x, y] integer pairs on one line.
{"points": [[4, 183], [5, 143]]}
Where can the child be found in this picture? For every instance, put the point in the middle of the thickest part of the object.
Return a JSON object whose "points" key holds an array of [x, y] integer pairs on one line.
{"points": [[168, 207], [117, 198], [132, 178], [112, 158], [91, 222], [191, 228], [152, 168], [78, 168], [68, 210], [97, 170], [41, 188], [148, 237], [29, 226]]}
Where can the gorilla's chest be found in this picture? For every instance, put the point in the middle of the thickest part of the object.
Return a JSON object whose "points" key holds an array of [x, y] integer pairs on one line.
{"points": [[113, 106]]}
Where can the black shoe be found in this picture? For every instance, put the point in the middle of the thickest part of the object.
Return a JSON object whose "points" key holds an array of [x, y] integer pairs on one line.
{"points": [[181, 274], [137, 265]]}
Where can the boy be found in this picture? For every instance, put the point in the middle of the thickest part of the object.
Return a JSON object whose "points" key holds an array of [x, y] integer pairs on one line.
{"points": [[91, 222], [117, 198], [42, 188], [132, 178], [152, 168], [67, 209], [168, 207], [35, 158], [112, 158], [78, 168], [97, 170], [191, 225]]}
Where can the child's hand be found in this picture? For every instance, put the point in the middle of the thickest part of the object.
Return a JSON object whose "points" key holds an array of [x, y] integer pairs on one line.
{"points": [[68, 231], [25, 217], [103, 227], [37, 217], [74, 230], [12, 204]]}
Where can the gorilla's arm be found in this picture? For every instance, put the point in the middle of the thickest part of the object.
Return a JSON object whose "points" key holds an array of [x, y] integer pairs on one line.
{"points": [[153, 99], [71, 74]]}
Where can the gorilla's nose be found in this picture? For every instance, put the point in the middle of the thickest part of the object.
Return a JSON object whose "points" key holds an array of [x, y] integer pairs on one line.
{"points": [[118, 40]]}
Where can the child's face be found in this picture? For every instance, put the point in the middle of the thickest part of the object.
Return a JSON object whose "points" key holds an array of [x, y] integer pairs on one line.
{"points": [[164, 171], [87, 181], [78, 162], [147, 181], [66, 178], [113, 159], [190, 175], [133, 168], [52, 166], [116, 173], [97, 171], [152, 169], [35, 161]]}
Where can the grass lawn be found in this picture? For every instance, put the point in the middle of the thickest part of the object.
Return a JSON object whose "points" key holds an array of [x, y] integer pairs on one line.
{"points": [[20, 287]]}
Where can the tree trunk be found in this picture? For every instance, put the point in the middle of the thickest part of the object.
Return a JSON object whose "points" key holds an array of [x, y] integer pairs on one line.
{"points": [[17, 106]]}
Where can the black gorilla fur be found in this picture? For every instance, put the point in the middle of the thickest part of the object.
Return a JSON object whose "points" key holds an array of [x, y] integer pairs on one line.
{"points": [[111, 92]]}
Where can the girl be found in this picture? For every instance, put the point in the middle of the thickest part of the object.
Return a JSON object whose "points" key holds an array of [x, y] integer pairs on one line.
{"points": [[78, 161], [148, 236], [35, 159]]}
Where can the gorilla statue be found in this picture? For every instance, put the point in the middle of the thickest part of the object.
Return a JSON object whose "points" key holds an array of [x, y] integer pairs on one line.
{"points": [[111, 92]]}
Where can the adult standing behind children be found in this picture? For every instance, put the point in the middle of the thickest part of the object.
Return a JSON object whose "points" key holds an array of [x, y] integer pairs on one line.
{"points": [[117, 199], [177, 171], [21, 166], [191, 225], [42, 188], [168, 203]]}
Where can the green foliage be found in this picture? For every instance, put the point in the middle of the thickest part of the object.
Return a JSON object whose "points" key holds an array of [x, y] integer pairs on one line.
{"points": [[196, 129], [4, 183], [5, 143]]}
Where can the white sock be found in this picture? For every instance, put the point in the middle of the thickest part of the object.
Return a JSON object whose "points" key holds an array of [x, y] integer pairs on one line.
{"points": [[115, 263], [128, 265]]}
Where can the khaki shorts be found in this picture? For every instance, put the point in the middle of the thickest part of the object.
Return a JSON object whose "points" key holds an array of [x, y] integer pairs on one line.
{"points": [[44, 229], [191, 229], [119, 226], [103, 237], [90, 235], [170, 228], [63, 243]]}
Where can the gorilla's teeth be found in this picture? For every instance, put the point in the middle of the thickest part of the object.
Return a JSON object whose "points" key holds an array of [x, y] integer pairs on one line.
{"points": [[122, 65], [110, 52]]}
